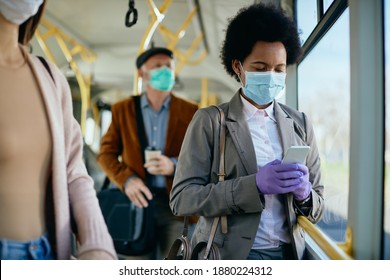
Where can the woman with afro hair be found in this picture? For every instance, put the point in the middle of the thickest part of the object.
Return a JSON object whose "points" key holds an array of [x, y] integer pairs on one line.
{"points": [[260, 196]]}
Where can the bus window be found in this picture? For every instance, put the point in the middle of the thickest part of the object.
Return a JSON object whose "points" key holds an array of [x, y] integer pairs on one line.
{"points": [[327, 4], [307, 18], [324, 94]]}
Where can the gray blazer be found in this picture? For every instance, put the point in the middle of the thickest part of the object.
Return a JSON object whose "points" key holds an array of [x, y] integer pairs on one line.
{"points": [[196, 190]]}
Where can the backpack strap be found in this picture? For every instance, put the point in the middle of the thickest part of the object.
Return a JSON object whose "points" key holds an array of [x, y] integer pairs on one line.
{"points": [[141, 132], [140, 124]]}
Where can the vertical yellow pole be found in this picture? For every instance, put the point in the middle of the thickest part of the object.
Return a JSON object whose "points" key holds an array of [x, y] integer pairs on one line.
{"points": [[213, 99], [42, 43], [157, 18], [204, 94]]}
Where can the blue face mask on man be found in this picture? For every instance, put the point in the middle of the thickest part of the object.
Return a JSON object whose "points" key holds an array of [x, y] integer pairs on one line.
{"points": [[263, 87], [162, 78]]}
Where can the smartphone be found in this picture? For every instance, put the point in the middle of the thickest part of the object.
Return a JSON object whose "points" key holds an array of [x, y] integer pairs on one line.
{"points": [[296, 154]]}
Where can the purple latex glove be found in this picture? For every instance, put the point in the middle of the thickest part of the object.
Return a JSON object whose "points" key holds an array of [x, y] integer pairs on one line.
{"points": [[278, 178], [303, 189]]}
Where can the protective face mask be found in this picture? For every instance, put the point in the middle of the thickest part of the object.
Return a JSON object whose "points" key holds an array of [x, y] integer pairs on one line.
{"points": [[20, 10], [162, 78], [264, 87]]}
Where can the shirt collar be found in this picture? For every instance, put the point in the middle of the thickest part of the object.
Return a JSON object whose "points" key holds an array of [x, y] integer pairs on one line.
{"points": [[145, 102], [250, 110]]}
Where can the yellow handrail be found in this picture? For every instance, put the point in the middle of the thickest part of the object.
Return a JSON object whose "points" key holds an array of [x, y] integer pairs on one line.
{"points": [[171, 37], [330, 248], [70, 49], [158, 15]]}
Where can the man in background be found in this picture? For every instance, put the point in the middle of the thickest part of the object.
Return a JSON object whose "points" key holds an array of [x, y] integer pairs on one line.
{"points": [[165, 119]]}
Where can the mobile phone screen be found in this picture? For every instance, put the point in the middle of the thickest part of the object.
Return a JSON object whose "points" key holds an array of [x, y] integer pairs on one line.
{"points": [[296, 154]]}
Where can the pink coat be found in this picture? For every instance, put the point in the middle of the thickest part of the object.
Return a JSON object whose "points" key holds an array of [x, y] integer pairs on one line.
{"points": [[72, 186]]}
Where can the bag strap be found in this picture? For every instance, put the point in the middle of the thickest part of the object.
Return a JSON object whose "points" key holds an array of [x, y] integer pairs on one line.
{"points": [[185, 228], [221, 173], [141, 132], [222, 134], [221, 178], [106, 183], [140, 125], [44, 62]]}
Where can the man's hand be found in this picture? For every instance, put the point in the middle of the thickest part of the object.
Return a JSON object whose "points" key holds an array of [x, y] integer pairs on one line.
{"points": [[138, 192], [160, 165]]}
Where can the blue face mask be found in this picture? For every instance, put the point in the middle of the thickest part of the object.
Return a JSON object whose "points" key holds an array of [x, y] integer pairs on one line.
{"points": [[162, 78], [264, 87]]}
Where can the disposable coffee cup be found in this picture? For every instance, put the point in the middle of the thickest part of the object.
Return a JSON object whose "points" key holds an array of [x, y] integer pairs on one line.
{"points": [[151, 152]]}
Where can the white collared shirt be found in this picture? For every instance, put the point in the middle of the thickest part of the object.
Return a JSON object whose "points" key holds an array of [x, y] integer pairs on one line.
{"points": [[267, 145]]}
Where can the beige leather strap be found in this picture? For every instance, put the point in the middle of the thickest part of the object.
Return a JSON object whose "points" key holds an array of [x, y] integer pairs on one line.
{"points": [[185, 228], [221, 172], [221, 177], [222, 134], [211, 237]]}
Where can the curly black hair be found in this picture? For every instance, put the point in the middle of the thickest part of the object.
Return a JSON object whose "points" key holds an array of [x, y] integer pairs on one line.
{"points": [[259, 22]]}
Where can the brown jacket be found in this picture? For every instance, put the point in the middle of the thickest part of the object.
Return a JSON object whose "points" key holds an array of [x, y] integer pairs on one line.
{"points": [[122, 140]]}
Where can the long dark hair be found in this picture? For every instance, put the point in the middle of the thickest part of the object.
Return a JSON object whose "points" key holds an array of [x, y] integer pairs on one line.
{"points": [[27, 28]]}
